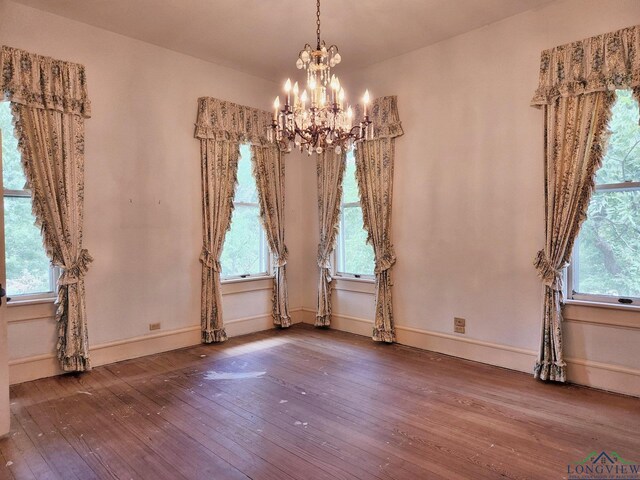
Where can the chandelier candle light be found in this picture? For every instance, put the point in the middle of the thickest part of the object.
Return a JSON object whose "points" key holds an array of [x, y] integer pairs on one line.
{"points": [[325, 123]]}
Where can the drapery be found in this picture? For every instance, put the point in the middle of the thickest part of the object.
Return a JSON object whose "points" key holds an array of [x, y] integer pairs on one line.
{"points": [[220, 126], [596, 64], [330, 171], [219, 172], [49, 102], [576, 93], [575, 128], [268, 169], [374, 173]]}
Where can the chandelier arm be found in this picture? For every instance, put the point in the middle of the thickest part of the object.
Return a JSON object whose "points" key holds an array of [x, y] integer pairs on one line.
{"points": [[355, 127]]}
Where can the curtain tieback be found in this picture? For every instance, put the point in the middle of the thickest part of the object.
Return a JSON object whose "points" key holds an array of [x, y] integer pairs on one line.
{"points": [[324, 257], [76, 271], [280, 260], [385, 262], [550, 275], [209, 261]]}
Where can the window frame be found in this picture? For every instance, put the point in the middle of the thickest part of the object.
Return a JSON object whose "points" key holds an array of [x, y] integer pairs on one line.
{"points": [[339, 253], [264, 246], [54, 272], [573, 270]]}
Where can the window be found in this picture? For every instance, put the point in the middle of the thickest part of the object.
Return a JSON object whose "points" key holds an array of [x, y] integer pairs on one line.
{"points": [[29, 271], [606, 256], [245, 252], [354, 256]]}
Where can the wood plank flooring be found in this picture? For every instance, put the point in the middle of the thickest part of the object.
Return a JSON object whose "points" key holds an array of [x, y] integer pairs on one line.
{"points": [[308, 404]]}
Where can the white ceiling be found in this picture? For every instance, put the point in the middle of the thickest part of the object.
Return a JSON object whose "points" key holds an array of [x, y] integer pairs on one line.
{"points": [[263, 37]]}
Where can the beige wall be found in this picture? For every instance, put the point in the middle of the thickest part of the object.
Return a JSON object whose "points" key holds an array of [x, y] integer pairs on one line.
{"points": [[468, 198], [143, 199]]}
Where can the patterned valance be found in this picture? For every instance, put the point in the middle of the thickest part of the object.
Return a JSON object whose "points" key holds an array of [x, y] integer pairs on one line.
{"points": [[43, 82], [220, 119], [604, 62], [383, 112]]}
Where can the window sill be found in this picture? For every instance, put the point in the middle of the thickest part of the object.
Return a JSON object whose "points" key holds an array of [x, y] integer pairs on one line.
{"points": [[247, 279], [600, 313], [249, 284], [344, 278], [30, 301], [34, 309], [358, 285]]}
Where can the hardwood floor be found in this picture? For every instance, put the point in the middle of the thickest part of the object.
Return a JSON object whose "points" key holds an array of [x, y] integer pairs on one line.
{"points": [[308, 404]]}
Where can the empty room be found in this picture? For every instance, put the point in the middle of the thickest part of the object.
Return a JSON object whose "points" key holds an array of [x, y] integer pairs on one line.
{"points": [[320, 239]]}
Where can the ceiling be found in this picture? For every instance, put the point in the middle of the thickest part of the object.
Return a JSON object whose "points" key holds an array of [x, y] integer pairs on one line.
{"points": [[263, 37]]}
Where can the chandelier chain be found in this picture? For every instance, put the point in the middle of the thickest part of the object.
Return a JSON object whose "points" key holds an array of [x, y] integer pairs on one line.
{"points": [[318, 22]]}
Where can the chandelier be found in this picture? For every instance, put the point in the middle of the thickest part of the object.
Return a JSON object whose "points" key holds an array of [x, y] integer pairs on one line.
{"points": [[318, 118]]}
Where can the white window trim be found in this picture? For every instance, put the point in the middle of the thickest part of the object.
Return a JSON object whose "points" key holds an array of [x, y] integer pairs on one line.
{"points": [[264, 246], [247, 285], [340, 251], [248, 277], [586, 299]]}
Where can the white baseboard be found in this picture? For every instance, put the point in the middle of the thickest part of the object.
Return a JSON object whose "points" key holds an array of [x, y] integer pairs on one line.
{"points": [[611, 377], [605, 376], [41, 366], [305, 315]]}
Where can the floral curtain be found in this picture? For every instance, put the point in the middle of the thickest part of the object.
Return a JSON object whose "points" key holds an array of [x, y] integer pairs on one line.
{"points": [[50, 103], [596, 64], [576, 92], [330, 171], [268, 169], [219, 174], [220, 126], [374, 173], [575, 128]]}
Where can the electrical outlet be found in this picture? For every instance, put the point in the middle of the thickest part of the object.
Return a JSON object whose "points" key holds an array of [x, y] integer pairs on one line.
{"points": [[154, 326], [459, 325]]}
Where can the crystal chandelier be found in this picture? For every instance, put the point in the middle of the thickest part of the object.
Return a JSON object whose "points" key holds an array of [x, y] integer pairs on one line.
{"points": [[319, 118]]}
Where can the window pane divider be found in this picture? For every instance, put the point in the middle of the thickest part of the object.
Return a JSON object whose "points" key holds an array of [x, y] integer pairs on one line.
{"points": [[618, 186], [17, 193]]}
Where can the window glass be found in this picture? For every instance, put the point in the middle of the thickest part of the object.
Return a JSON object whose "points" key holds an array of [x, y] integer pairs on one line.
{"points": [[354, 256], [622, 159], [606, 259], [350, 192], [29, 271], [245, 251]]}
